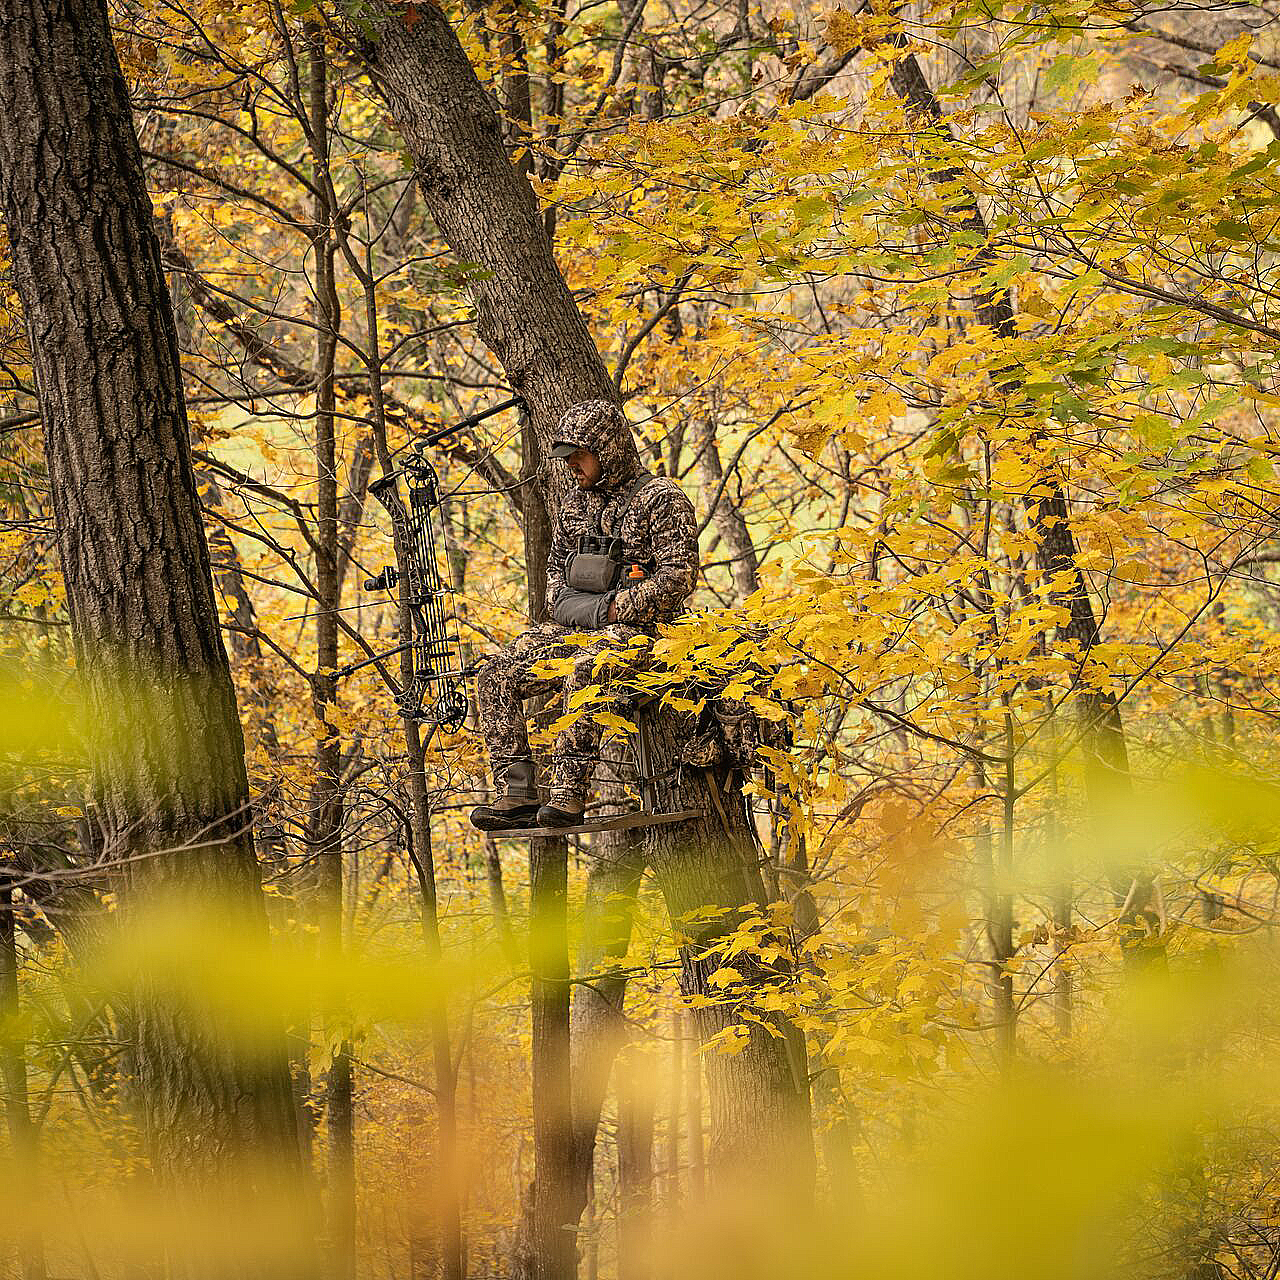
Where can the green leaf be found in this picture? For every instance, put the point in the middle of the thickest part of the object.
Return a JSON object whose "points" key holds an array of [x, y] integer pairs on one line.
{"points": [[1069, 72], [1229, 229]]}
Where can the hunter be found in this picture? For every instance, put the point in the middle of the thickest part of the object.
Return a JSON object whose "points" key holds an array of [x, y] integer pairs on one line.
{"points": [[624, 558]]}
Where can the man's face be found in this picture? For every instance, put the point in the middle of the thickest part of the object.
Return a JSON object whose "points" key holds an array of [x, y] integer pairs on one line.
{"points": [[585, 467]]}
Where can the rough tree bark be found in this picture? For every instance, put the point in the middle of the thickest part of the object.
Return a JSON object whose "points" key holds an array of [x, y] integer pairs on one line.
{"points": [[552, 1197], [170, 792], [759, 1095], [526, 315], [486, 210], [693, 1123]]}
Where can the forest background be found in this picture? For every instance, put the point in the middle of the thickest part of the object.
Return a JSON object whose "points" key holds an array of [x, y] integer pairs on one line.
{"points": [[959, 325]]}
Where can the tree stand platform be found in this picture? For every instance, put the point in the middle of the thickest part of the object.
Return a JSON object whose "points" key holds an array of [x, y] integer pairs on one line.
{"points": [[620, 822]]}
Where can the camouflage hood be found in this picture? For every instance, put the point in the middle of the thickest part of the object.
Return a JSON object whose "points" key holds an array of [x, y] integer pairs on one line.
{"points": [[599, 425]]}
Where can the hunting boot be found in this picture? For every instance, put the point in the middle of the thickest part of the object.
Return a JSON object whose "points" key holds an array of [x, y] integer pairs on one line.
{"points": [[517, 803], [566, 805], [561, 813], [571, 775]]}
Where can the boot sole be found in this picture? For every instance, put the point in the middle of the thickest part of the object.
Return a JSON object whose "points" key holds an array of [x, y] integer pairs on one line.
{"points": [[549, 817], [512, 820]]}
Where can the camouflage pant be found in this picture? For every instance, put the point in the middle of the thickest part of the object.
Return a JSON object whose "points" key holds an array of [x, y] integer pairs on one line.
{"points": [[505, 679]]}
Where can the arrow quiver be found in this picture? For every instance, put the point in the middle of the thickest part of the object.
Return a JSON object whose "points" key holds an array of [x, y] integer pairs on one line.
{"points": [[437, 693]]}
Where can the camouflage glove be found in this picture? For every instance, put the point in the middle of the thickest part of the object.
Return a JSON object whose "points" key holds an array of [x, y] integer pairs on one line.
{"points": [[582, 610]]}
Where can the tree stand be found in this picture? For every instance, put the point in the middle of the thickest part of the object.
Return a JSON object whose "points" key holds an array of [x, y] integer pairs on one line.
{"points": [[650, 814]]}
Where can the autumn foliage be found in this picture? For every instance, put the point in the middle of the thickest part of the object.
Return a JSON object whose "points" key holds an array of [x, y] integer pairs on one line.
{"points": [[959, 325]]}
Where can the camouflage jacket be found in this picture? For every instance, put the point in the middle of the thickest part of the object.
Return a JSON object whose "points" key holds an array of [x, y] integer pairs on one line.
{"points": [[659, 529]]}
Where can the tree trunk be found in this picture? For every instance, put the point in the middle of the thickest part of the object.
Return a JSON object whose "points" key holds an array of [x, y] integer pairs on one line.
{"points": [[672, 1191], [599, 1029], [485, 209], [693, 1122], [535, 520], [591, 1225], [759, 1094], [326, 804], [554, 1208], [635, 1170], [526, 315], [13, 1076], [1105, 750], [170, 791], [1062, 898], [744, 565], [498, 901], [448, 1199]]}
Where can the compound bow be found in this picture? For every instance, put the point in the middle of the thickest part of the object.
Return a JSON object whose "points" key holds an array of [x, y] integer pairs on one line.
{"points": [[438, 691], [437, 694]]}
